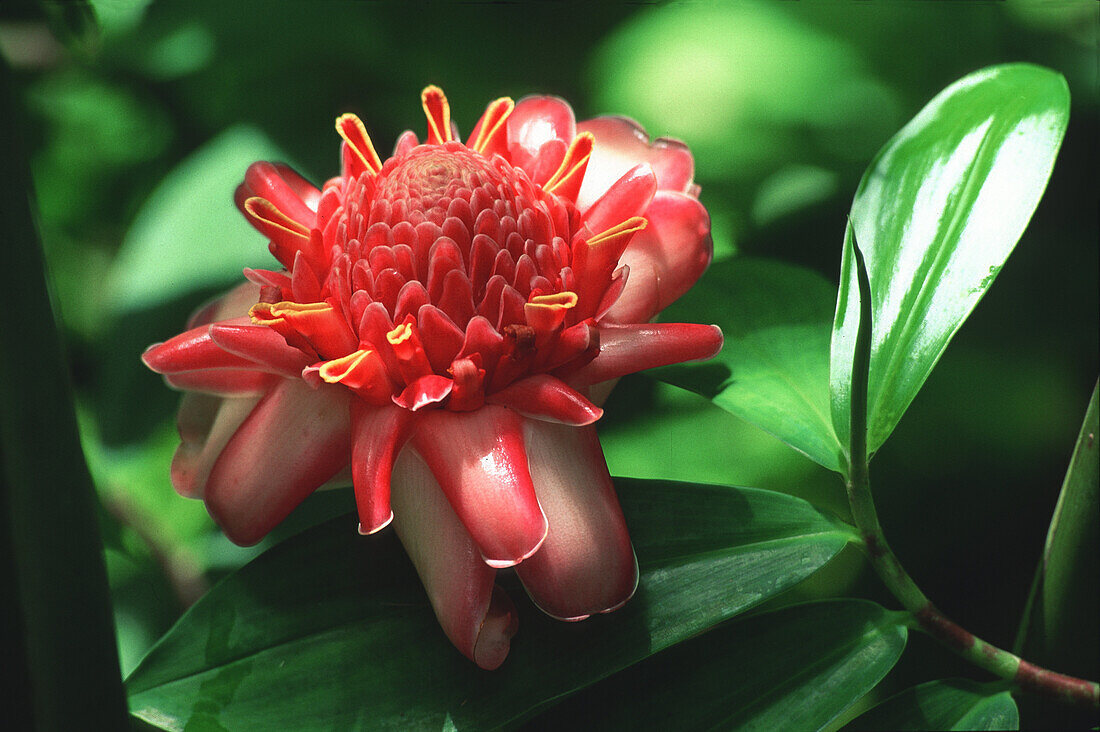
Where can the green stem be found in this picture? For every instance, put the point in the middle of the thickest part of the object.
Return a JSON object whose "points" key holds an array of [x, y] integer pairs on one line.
{"points": [[999, 662]]}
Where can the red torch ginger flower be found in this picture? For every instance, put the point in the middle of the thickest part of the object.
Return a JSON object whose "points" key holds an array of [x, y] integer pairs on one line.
{"points": [[441, 327]]}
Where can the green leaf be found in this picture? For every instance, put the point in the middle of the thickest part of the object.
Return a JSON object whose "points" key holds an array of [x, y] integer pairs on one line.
{"points": [[937, 214], [947, 704], [796, 668], [60, 661], [188, 235], [773, 370], [1064, 602], [711, 73], [331, 630]]}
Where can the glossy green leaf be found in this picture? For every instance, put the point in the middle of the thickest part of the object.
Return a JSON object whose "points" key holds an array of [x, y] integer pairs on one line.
{"points": [[1065, 599], [937, 214], [948, 704], [797, 668], [330, 630], [188, 235], [773, 370]]}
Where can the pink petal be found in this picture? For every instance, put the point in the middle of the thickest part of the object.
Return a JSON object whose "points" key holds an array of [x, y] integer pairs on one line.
{"points": [[231, 304], [205, 425], [628, 196], [544, 397], [586, 565], [665, 259], [378, 435], [475, 614], [479, 460], [294, 440], [621, 143], [625, 349], [535, 121]]}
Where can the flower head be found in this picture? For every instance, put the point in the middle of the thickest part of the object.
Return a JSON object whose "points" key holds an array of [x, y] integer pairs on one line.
{"points": [[441, 328]]}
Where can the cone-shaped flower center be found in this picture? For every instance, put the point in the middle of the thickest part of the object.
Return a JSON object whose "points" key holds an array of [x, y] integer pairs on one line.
{"points": [[445, 276]]}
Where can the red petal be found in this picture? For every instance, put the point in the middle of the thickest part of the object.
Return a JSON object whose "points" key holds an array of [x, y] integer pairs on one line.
{"points": [[428, 389], [586, 565], [621, 143], [192, 350], [665, 259], [625, 349], [544, 397], [479, 460], [535, 121], [379, 434], [261, 345], [222, 382], [628, 196], [475, 614], [265, 181], [303, 189], [293, 441]]}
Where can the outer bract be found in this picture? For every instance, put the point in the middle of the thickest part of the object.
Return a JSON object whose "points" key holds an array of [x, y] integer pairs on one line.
{"points": [[442, 323]]}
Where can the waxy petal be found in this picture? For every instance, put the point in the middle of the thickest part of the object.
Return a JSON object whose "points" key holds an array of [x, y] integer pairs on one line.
{"points": [[627, 197], [378, 434], [192, 350], [294, 440], [479, 460], [621, 143], [474, 613], [260, 345], [665, 259], [625, 349], [535, 121], [544, 397], [586, 565]]}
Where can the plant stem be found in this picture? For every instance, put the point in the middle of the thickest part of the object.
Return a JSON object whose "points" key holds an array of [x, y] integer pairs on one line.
{"points": [[1001, 663]]}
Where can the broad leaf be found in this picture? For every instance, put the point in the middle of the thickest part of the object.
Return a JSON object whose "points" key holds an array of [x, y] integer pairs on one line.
{"points": [[188, 235], [797, 668], [936, 215], [773, 370], [948, 704], [1064, 602], [331, 630]]}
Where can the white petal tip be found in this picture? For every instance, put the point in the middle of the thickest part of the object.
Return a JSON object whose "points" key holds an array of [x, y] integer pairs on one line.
{"points": [[376, 529]]}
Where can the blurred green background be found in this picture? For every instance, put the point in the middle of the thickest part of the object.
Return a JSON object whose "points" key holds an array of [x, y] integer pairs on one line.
{"points": [[143, 116]]}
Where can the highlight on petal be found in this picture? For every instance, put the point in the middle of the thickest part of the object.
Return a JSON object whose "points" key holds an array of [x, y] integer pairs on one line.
{"points": [[475, 614], [544, 397], [586, 565], [621, 143], [536, 121], [479, 460], [378, 434]]}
